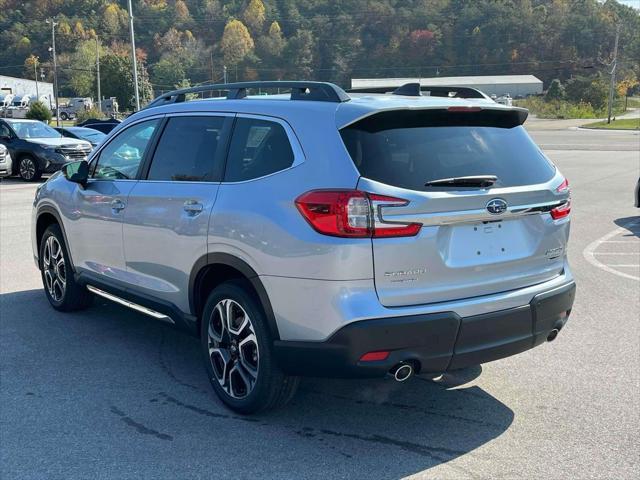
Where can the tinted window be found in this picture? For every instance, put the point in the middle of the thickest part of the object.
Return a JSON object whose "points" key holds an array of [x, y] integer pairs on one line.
{"points": [[407, 151], [187, 150], [121, 158], [4, 130], [258, 148]]}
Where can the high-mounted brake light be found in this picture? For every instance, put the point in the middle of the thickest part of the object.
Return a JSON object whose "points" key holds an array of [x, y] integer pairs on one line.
{"points": [[464, 109], [352, 213]]}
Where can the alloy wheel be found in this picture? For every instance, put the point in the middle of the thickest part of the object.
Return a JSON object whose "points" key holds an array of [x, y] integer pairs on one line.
{"points": [[27, 169], [55, 274], [233, 348]]}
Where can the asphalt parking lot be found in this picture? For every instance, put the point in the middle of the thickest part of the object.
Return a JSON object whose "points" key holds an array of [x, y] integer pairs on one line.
{"points": [[109, 393]]}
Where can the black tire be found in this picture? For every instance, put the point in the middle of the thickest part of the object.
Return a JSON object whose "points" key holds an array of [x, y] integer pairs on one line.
{"points": [[28, 169], [60, 287], [271, 388], [64, 116]]}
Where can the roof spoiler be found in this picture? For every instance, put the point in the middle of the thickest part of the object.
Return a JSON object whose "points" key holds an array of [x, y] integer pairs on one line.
{"points": [[313, 91], [414, 89]]}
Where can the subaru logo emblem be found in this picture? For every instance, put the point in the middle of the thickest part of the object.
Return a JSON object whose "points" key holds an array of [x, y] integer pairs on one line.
{"points": [[496, 206]]}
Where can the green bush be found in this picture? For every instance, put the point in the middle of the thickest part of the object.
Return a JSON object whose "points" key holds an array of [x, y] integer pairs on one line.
{"points": [[543, 108], [588, 90], [83, 115], [39, 111]]}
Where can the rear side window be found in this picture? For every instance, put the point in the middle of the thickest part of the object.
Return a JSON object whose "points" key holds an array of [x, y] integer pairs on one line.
{"points": [[187, 150], [258, 148], [408, 149]]}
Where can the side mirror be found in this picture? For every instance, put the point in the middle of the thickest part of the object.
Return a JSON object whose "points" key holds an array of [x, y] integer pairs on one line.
{"points": [[77, 172]]}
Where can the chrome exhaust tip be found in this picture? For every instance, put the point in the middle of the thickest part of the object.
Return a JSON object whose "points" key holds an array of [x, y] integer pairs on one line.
{"points": [[402, 372], [552, 335]]}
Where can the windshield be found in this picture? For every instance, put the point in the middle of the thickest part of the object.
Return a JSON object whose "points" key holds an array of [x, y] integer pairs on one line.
{"points": [[407, 153], [27, 130]]}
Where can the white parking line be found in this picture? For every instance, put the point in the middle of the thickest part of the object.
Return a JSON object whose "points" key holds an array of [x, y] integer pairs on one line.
{"points": [[630, 241], [590, 252], [614, 253]]}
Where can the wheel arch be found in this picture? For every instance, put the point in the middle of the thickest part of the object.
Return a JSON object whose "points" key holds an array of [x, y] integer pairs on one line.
{"points": [[48, 215], [213, 269]]}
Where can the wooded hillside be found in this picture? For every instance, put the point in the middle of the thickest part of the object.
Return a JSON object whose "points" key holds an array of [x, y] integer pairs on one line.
{"points": [[185, 42]]}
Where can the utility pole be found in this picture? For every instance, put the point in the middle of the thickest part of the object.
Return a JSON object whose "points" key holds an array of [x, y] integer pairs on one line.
{"points": [[98, 73], [35, 74], [133, 54], [55, 66], [612, 86], [213, 78]]}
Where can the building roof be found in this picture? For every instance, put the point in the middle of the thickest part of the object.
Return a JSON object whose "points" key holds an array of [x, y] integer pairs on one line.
{"points": [[457, 81]]}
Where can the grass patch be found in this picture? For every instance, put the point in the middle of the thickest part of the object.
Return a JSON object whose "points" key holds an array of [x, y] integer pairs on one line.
{"points": [[622, 124], [562, 109]]}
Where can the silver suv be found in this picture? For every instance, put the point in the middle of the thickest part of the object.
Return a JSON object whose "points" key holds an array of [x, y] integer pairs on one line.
{"points": [[317, 232]]}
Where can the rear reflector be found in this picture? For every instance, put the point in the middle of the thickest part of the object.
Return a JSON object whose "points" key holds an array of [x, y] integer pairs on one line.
{"points": [[374, 356], [350, 213]]}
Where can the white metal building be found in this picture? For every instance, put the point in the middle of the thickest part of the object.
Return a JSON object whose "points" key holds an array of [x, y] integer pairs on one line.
{"points": [[23, 86], [514, 85]]}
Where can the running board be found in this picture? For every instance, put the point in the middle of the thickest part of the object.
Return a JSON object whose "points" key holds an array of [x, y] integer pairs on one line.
{"points": [[131, 305]]}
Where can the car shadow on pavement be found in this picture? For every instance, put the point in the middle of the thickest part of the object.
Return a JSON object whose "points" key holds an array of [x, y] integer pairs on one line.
{"points": [[121, 375], [632, 224]]}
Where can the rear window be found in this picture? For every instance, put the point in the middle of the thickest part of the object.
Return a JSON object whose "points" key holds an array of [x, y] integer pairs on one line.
{"points": [[409, 148]]}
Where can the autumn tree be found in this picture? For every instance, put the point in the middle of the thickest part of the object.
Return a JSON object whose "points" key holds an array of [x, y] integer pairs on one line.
{"points": [[236, 43], [254, 15], [30, 65], [114, 18], [271, 45], [182, 12]]}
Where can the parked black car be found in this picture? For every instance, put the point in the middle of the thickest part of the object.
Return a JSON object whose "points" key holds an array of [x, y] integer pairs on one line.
{"points": [[95, 137], [36, 148], [104, 126]]}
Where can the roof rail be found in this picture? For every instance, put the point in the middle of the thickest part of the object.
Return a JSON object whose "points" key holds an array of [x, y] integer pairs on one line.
{"points": [[415, 89], [315, 91]]}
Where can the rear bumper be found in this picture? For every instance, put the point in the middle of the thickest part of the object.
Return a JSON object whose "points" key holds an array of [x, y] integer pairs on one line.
{"points": [[436, 342]]}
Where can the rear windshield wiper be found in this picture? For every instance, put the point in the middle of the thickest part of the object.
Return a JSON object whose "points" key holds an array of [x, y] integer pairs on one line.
{"points": [[471, 181]]}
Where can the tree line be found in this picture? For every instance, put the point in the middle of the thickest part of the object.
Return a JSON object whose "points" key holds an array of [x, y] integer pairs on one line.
{"points": [[182, 43]]}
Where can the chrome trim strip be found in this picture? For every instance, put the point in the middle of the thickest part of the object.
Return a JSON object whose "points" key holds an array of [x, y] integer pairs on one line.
{"points": [[464, 216], [131, 305]]}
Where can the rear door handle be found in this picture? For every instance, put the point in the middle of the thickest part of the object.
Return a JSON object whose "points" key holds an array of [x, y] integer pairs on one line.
{"points": [[192, 207], [117, 205]]}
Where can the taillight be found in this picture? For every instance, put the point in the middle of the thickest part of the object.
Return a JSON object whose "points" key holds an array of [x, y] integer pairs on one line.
{"points": [[563, 210], [563, 187], [350, 213]]}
